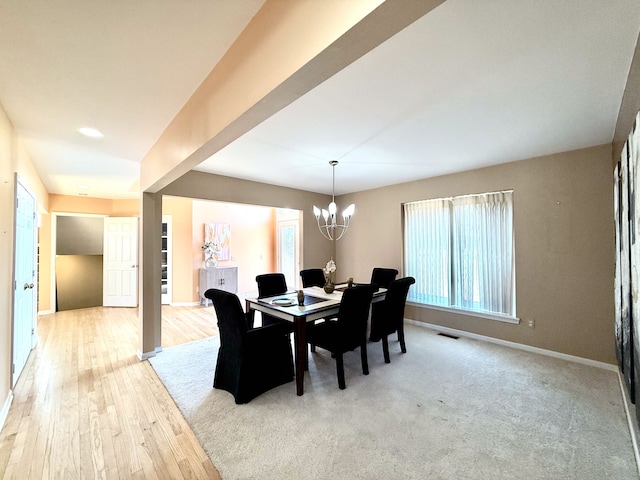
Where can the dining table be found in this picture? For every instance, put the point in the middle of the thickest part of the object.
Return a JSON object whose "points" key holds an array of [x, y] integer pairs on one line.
{"points": [[317, 304]]}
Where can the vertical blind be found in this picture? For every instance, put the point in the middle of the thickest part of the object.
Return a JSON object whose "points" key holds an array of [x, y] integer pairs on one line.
{"points": [[460, 251]]}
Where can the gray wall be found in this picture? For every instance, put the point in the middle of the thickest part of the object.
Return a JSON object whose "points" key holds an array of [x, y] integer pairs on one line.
{"points": [[564, 244], [78, 281], [563, 223], [79, 235]]}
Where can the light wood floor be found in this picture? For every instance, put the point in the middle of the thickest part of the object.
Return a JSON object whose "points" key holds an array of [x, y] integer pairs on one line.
{"points": [[86, 407]]}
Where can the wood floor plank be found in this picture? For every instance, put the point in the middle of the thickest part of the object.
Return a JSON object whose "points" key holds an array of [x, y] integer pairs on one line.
{"points": [[86, 407], [108, 448]]}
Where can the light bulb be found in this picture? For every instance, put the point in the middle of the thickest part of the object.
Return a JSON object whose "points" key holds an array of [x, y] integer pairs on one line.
{"points": [[348, 212]]}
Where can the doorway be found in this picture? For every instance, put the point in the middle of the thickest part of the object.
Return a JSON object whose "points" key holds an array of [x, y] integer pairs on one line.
{"points": [[78, 243], [288, 245], [78, 254]]}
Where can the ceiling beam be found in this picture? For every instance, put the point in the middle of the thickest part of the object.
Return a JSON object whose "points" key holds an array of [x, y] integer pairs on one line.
{"points": [[287, 49]]}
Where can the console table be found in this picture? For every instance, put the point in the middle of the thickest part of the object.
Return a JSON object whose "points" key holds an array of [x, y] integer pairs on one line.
{"points": [[222, 278]]}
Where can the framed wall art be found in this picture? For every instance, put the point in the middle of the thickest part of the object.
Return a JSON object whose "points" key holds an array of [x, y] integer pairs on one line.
{"points": [[219, 236]]}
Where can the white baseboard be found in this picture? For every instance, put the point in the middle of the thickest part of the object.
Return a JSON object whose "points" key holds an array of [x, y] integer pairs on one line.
{"points": [[147, 355], [631, 419], [5, 409], [184, 304], [519, 346], [45, 312]]}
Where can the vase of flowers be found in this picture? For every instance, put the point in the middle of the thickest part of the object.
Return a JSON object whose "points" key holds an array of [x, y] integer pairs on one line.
{"points": [[329, 270], [211, 255]]}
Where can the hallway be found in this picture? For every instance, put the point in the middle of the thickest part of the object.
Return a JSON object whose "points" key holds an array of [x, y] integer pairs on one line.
{"points": [[86, 407]]}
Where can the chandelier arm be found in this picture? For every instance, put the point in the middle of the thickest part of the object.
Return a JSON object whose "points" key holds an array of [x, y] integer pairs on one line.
{"points": [[324, 230]]}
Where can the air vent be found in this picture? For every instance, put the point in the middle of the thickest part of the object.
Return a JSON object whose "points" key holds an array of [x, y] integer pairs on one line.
{"points": [[448, 335]]}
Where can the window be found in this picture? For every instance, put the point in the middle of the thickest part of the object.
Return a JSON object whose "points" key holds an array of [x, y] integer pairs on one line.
{"points": [[460, 251]]}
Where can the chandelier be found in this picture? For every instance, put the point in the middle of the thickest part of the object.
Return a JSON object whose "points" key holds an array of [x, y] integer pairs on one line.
{"points": [[331, 229]]}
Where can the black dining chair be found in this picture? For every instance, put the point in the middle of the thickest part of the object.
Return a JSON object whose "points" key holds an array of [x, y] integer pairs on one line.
{"points": [[388, 316], [312, 277], [270, 284], [383, 276], [250, 361], [348, 331]]}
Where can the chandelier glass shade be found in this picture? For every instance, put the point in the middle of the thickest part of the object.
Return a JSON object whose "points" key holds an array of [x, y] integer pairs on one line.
{"points": [[329, 226]]}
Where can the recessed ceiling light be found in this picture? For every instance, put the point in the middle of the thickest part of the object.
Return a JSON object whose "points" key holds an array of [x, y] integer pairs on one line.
{"points": [[90, 132]]}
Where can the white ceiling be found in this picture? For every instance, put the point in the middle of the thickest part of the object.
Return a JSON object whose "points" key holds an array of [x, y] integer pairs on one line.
{"points": [[124, 67], [471, 84]]}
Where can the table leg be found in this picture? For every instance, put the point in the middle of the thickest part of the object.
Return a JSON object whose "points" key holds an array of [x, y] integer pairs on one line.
{"points": [[301, 352], [250, 315]]}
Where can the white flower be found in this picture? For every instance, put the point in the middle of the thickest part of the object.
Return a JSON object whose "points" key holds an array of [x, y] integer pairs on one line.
{"points": [[210, 250], [330, 267]]}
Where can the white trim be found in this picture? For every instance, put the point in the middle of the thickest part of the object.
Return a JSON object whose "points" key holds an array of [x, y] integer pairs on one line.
{"points": [[184, 304], [471, 313], [166, 298], [147, 355], [630, 420], [519, 346], [5, 409], [45, 312]]}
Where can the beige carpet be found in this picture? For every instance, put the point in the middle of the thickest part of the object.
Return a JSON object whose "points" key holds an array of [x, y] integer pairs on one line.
{"points": [[448, 409]]}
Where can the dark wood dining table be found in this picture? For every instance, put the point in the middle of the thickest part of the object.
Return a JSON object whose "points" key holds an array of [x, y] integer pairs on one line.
{"points": [[317, 304]]}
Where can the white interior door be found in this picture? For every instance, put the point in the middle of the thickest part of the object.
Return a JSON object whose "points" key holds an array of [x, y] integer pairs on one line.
{"points": [[24, 318], [288, 257], [120, 270]]}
